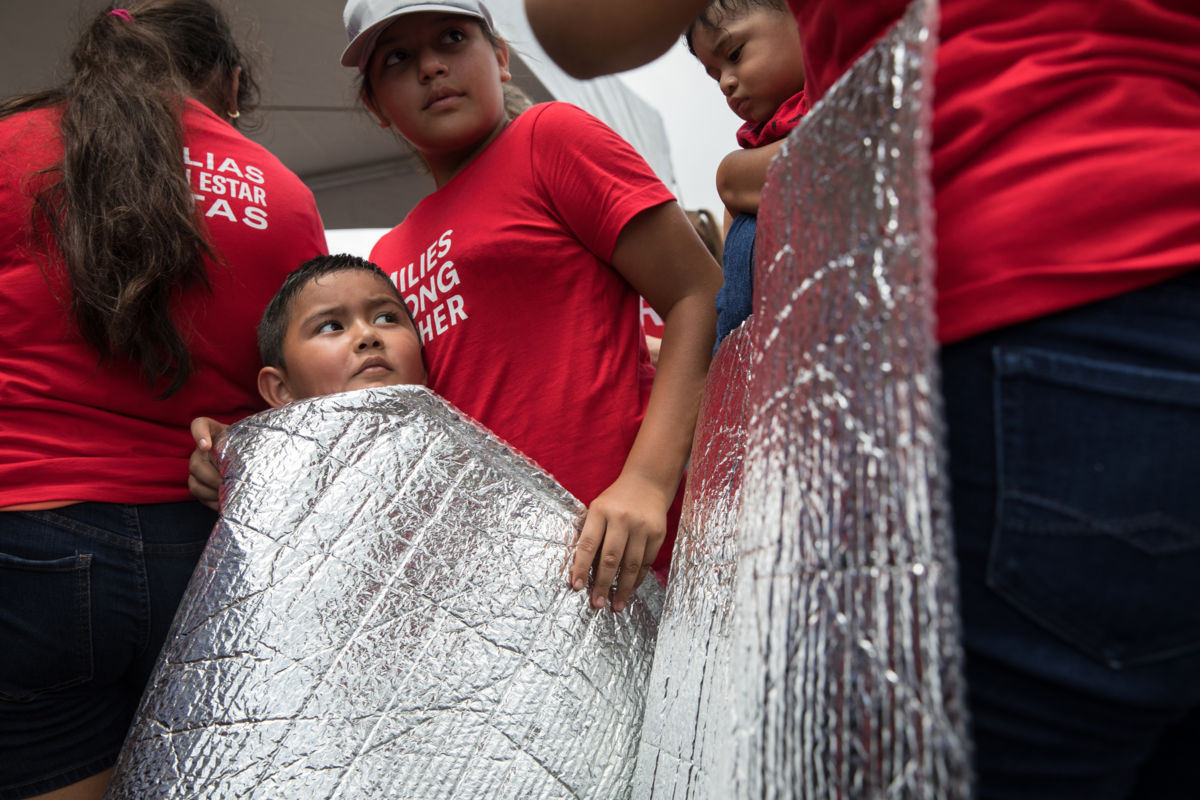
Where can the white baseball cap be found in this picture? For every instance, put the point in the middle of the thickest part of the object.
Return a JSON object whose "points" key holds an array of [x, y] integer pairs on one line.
{"points": [[366, 19]]}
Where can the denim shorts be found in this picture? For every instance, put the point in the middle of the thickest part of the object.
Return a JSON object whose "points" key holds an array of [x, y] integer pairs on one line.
{"points": [[1073, 446], [87, 595], [735, 300]]}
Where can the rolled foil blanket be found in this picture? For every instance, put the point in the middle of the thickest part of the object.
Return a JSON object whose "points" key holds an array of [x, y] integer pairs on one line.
{"points": [[809, 645], [382, 611]]}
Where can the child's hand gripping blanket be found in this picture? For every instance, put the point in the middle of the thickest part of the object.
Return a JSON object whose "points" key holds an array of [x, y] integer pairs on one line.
{"points": [[383, 610]]}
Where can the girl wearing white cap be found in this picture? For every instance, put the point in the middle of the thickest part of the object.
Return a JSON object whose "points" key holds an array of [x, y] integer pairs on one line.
{"points": [[523, 271]]}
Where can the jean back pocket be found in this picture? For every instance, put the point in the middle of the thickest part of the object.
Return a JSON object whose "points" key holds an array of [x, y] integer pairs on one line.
{"points": [[45, 625], [1098, 520]]}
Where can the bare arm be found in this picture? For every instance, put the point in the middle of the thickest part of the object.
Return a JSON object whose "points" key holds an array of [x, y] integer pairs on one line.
{"points": [[661, 255], [588, 38], [741, 175]]}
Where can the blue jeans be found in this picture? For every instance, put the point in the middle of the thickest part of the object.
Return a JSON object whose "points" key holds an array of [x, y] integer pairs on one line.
{"points": [[87, 595], [1073, 443], [735, 300]]}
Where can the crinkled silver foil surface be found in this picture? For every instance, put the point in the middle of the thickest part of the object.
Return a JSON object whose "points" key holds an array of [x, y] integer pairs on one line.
{"points": [[809, 646], [382, 611], [688, 722]]}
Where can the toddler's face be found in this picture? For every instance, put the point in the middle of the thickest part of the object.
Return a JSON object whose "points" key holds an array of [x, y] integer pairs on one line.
{"points": [[756, 60], [349, 330]]}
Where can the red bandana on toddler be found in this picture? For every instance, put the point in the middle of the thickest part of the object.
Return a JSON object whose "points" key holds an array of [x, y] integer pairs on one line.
{"points": [[786, 117]]}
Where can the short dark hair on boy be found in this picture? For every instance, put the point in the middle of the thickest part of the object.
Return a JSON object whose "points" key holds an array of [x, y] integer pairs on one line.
{"points": [[275, 319], [719, 12]]}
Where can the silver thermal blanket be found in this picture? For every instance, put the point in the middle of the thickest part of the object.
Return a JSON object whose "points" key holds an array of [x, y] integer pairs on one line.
{"points": [[382, 611], [809, 643]]}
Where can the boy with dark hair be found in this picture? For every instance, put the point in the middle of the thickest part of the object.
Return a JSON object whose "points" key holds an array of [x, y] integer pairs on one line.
{"points": [[337, 323], [752, 49]]}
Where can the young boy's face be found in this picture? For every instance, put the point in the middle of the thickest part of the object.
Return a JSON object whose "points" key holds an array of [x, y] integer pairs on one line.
{"points": [[347, 330], [756, 59]]}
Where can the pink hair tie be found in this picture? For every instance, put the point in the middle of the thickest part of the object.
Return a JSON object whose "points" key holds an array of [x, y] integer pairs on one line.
{"points": [[122, 13]]}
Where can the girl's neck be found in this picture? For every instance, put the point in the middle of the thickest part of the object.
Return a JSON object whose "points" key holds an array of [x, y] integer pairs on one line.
{"points": [[444, 167]]}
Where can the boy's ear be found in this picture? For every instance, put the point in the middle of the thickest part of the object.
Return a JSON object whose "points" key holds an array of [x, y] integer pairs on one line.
{"points": [[272, 385]]}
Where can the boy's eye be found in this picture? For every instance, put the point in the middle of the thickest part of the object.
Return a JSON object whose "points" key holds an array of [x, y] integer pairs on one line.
{"points": [[454, 35], [329, 326], [387, 317], [735, 54]]}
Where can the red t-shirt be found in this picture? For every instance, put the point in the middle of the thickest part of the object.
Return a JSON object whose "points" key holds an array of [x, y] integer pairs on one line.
{"points": [[1066, 158], [72, 430], [527, 327]]}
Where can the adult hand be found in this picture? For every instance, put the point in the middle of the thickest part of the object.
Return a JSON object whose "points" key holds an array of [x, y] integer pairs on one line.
{"points": [[204, 480], [624, 529]]}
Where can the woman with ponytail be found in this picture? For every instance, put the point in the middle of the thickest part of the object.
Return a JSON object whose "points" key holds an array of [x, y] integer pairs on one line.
{"points": [[141, 236]]}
